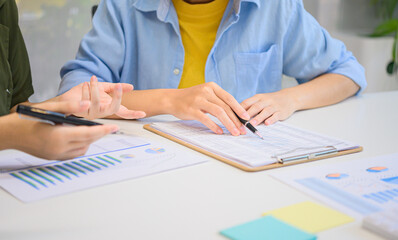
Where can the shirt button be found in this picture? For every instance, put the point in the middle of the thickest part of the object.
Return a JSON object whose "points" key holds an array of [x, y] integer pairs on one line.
{"points": [[176, 71]]}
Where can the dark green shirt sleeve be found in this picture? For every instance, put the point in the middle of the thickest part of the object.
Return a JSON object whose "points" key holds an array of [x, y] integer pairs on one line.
{"points": [[15, 75]]}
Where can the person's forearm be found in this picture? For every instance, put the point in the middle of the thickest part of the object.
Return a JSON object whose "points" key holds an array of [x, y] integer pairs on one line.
{"points": [[152, 102], [324, 90], [7, 132], [14, 109]]}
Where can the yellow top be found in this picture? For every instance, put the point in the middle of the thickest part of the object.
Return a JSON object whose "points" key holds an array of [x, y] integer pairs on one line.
{"points": [[198, 26]]}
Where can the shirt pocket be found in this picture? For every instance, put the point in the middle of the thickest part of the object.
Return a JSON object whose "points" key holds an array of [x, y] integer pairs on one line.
{"points": [[258, 72]]}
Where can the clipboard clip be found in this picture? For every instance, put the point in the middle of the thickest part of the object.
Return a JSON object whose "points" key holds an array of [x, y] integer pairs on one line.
{"points": [[327, 150]]}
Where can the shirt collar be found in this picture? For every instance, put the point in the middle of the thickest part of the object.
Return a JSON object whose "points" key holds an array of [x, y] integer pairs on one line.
{"points": [[162, 6]]}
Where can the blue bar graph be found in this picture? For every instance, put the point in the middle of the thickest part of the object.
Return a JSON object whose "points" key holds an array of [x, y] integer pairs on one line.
{"points": [[356, 203], [41, 176], [90, 164], [25, 174], [383, 197], [75, 168], [24, 180], [49, 176]]}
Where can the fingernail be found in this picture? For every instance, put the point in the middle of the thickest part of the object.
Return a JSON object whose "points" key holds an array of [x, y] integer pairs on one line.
{"points": [[254, 122], [235, 132], [242, 130], [115, 129], [246, 115], [219, 131]]}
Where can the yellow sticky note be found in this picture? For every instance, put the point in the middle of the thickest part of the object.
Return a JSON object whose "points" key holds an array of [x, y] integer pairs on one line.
{"points": [[310, 217]]}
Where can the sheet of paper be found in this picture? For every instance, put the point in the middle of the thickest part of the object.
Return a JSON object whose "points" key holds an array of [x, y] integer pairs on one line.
{"points": [[266, 228], [280, 139], [359, 187], [111, 159], [310, 217]]}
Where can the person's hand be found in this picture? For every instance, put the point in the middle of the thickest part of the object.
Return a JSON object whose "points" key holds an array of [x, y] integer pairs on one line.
{"points": [[193, 103], [269, 107], [54, 142], [105, 99]]}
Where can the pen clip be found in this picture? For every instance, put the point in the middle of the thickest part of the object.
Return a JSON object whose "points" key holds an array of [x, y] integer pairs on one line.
{"points": [[22, 116]]}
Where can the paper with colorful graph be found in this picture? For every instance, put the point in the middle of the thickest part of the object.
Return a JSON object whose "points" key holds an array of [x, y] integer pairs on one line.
{"points": [[359, 187], [111, 159]]}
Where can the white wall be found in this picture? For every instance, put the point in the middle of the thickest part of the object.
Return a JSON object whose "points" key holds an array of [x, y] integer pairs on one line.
{"points": [[52, 30], [350, 21]]}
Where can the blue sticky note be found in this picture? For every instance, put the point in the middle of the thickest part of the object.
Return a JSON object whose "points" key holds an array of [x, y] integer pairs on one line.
{"points": [[266, 228]]}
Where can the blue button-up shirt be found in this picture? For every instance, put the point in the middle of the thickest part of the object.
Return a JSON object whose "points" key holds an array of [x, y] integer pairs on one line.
{"points": [[139, 42]]}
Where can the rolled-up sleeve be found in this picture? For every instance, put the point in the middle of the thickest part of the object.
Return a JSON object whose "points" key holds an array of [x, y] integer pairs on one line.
{"points": [[101, 52], [310, 51]]}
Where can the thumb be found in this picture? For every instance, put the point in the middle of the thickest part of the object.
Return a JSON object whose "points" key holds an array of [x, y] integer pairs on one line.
{"points": [[126, 87]]}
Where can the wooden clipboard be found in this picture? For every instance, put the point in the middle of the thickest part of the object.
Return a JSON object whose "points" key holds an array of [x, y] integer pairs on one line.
{"points": [[245, 167]]}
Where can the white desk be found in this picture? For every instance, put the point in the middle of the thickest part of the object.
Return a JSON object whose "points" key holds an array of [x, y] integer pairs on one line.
{"points": [[199, 201]]}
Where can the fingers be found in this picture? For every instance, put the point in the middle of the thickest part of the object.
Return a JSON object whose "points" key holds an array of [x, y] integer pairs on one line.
{"points": [[250, 101], [224, 108], [66, 142], [109, 87], [263, 115], [126, 87], [85, 97], [95, 98], [259, 107], [231, 115], [219, 113], [230, 101], [268, 108], [129, 114], [194, 102], [88, 134], [76, 152], [203, 118], [106, 100], [86, 91], [116, 100], [273, 119]]}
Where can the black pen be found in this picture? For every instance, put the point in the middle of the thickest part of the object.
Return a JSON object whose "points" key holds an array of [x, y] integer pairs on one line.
{"points": [[249, 126], [53, 117]]}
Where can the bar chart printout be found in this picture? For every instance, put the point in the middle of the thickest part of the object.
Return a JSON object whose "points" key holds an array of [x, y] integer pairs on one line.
{"points": [[362, 187], [111, 159]]}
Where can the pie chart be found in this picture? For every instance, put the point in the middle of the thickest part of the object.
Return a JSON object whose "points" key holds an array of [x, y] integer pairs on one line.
{"points": [[127, 156], [377, 169], [155, 150], [392, 180], [336, 176]]}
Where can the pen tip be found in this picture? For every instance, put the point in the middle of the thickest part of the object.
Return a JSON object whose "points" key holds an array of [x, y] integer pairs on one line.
{"points": [[258, 134]]}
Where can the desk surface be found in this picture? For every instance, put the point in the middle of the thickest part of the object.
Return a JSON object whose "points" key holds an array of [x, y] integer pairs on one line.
{"points": [[197, 202]]}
